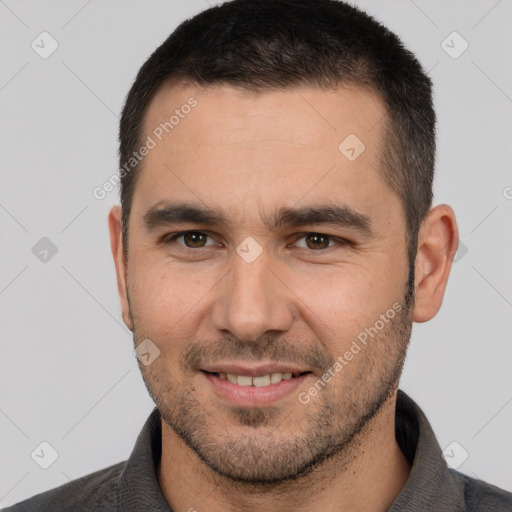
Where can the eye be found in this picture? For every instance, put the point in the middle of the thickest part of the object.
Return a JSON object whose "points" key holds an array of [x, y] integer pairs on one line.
{"points": [[319, 241], [191, 239], [315, 242]]}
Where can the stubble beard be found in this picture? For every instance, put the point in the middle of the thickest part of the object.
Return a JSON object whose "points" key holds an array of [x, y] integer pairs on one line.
{"points": [[258, 447]]}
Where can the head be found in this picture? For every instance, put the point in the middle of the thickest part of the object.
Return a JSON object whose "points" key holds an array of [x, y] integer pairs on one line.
{"points": [[298, 112]]}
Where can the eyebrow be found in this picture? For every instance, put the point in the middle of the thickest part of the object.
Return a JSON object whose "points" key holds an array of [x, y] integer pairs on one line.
{"points": [[165, 213]]}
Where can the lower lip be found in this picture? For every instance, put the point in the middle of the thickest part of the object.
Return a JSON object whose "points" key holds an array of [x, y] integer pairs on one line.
{"points": [[252, 396]]}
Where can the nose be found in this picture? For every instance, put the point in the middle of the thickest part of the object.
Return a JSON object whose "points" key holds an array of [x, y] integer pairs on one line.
{"points": [[252, 299]]}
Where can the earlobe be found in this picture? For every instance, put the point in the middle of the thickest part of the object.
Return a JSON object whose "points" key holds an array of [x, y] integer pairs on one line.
{"points": [[116, 244], [437, 244]]}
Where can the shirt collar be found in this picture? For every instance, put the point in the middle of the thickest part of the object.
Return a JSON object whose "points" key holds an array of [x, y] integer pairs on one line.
{"points": [[430, 486], [139, 489]]}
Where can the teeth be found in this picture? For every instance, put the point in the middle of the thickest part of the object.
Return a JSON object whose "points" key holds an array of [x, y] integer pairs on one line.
{"points": [[275, 378], [260, 381], [244, 380], [232, 378], [264, 380]]}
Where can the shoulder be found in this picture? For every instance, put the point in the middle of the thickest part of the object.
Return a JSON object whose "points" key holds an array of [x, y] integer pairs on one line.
{"points": [[96, 491], [480, 496]]}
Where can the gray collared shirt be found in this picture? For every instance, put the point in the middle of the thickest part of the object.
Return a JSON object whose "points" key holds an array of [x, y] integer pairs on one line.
{"points": [[132, 485]]}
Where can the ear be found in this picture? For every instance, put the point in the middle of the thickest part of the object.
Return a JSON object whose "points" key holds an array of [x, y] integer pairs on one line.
{"points": [[438, 239], [115, 225]]}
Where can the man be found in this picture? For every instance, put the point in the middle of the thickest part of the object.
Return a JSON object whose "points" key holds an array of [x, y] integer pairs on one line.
{"points": [[275, 243]]}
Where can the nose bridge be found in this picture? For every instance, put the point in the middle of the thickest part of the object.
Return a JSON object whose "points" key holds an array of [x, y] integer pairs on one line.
{"points": [[252, 300]]}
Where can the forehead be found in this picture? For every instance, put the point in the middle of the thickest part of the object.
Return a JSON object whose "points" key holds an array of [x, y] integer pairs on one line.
{"points": [[224, 111], [224, 145]]}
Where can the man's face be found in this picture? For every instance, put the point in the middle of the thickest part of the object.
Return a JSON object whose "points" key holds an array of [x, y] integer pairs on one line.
{"points": [[234, 298]]}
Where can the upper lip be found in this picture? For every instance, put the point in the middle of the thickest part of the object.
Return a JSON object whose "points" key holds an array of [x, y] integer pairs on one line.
{"points": [[253, 371]]}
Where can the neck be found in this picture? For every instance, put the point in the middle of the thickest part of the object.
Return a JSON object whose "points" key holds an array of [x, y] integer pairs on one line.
{"points": [[367, 476]]}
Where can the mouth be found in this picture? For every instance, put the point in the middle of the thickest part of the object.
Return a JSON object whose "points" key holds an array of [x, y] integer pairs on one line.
{"points": [[257, 390], [257, 381]]}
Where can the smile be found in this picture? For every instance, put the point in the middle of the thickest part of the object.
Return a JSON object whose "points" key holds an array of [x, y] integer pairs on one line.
{"points": [[254, 390], [259, 381]]}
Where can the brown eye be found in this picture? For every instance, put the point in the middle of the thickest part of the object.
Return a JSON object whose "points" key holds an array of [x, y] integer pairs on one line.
{"points": [[315, 241], [191, 239], [194, 239]]}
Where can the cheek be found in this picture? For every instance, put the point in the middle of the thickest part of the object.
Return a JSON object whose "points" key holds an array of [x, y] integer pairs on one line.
{"points": [[341, 305], [167, 301]]}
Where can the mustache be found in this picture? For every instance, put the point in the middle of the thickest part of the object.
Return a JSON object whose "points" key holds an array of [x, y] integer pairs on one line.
{"points": [[268, 348]]}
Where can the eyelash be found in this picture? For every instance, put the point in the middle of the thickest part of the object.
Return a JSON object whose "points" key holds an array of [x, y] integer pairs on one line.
{"points": [[168, 239]]}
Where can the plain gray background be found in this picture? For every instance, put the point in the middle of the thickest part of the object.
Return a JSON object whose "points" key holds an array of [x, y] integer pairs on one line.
{"points": [[68, 375]]}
